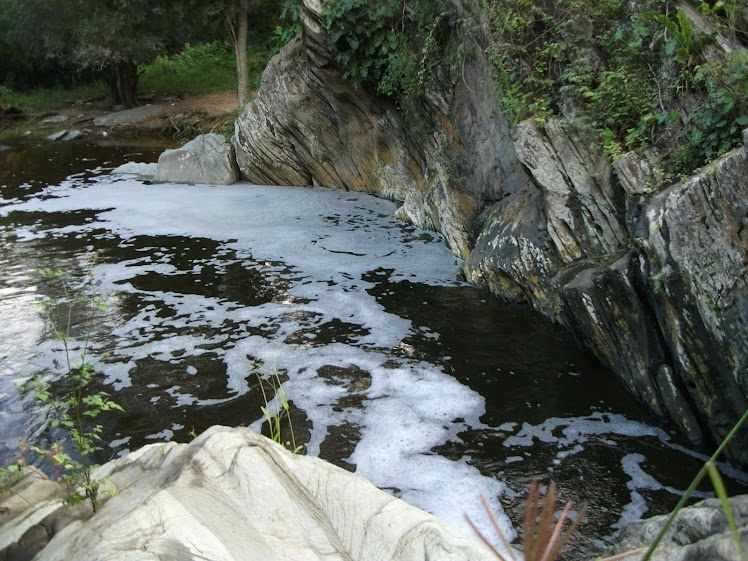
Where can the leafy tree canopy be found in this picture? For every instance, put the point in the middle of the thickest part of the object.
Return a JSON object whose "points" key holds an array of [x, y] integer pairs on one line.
{"points": [[58, 42]]}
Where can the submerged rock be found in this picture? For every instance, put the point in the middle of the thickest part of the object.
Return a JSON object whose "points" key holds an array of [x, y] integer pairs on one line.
{"points": [[142, 171], [207, 159], [228, 495]]}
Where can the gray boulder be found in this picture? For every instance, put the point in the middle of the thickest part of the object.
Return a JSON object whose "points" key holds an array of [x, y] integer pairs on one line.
{"points": [[208, 159], [55, 136], [229, 495], [63, 135], [699, 533]]}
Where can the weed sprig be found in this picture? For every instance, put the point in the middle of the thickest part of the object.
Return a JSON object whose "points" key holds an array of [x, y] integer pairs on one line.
{"points": [[76, 410]]}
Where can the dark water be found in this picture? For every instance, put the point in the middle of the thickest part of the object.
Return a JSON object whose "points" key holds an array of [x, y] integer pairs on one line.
{"points": [[426, 386]]}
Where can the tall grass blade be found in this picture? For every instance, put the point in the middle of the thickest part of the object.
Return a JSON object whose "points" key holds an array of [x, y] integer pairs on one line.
{"points": [[719, 488], [568, 533], [488, 544], [531, 515]]}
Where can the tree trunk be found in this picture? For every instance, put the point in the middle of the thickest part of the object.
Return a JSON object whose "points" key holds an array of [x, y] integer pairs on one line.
{"points": [[239, 35], [124, 84]]}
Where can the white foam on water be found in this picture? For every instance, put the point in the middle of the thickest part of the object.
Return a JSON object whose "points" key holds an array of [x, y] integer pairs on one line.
{"points": [[323, 244], [578, 429], [267, 219], [328, 240]]}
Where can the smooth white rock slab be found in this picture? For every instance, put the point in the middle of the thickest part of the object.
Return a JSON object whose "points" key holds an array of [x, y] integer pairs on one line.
{"points": [[232, 494]]}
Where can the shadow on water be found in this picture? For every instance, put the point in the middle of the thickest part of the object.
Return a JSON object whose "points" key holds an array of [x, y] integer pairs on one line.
{"points": [[505, 353], [25, 170], [531, 371]]}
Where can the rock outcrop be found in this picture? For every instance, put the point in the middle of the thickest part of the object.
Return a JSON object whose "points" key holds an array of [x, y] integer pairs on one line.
{"points": [[229, 495], [207, 159], [654, 283], [699, 532]]}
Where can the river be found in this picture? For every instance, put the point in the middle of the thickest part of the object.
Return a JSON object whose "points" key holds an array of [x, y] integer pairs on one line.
{"points": [[394, 367]]}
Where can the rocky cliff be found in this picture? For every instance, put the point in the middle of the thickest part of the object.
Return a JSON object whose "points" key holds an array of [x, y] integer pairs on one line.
{"points": [[653, 283]]}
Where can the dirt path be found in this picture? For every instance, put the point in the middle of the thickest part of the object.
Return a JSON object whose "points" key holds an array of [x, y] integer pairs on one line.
{"points": [[182, 117]]}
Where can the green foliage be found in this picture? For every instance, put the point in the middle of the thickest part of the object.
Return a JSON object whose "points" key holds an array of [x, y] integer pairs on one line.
{"points": [[717, 124], [363, 36], [197, 69], [396, 47], [49, 99], [625, 69], [275, 419], [724, 14], [76, 410], [56, 42], [289, 23]]}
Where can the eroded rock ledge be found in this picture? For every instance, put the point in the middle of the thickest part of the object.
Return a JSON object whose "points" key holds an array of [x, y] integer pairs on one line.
{"points": [[653, 283], [228, 495]]}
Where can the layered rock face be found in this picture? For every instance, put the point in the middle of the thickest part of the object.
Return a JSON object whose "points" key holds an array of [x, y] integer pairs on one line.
{"points": [[654, 284], [230, 495]]}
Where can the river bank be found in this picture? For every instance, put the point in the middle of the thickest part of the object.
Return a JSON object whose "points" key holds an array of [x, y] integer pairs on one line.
{"points": [[170, 117]]}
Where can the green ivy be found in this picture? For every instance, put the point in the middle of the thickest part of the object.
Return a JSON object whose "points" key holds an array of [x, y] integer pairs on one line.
{"points": [[717, 124], [289, 25], [624, 68], [395, 47]]}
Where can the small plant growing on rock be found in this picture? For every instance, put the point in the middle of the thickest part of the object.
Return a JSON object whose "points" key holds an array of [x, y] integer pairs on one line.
{"points": [[275, 420], [75, 411], [543, 539]]}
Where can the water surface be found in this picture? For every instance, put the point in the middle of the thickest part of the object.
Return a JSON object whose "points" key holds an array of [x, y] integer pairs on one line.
{"points": [[395, 369]]}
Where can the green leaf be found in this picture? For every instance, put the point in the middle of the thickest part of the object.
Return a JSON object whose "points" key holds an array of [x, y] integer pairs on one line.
{"points": [[100, 304], [76, 498]]}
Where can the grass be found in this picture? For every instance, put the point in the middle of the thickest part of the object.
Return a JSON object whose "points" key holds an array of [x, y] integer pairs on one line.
{"points": [[197, 70], [275, 416], [49, 99]]}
